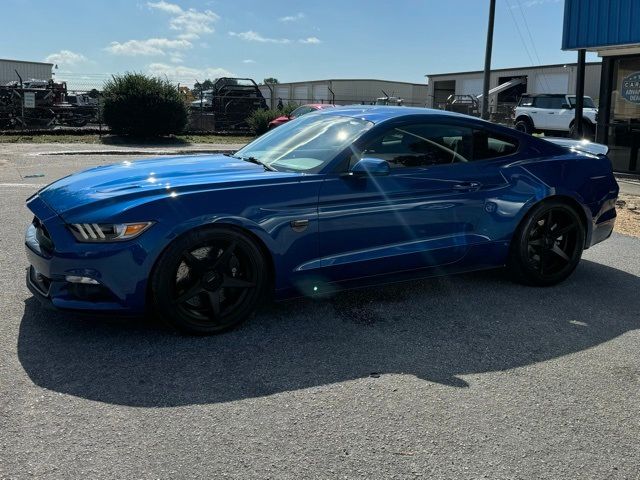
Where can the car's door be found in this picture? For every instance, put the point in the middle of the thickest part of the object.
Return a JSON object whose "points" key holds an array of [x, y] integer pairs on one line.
{"points": [[549, 117], [424, 213]]}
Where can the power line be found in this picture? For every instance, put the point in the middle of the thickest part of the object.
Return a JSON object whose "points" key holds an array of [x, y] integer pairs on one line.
{"points": [[533, 44]]}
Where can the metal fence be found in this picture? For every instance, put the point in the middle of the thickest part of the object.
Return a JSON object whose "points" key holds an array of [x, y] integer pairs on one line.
{"points": [[54, 106]]}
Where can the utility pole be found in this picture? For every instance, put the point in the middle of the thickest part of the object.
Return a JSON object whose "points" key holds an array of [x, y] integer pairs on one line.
{"points": [[487, 61], [579, 131]]}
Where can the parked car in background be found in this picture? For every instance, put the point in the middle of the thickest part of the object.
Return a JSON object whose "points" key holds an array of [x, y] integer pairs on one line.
{"points": [[298, 112], [344, 198], [554, 113]]}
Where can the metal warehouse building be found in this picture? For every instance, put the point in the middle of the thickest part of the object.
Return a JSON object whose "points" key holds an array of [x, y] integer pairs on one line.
{"points": [[540, 79], [344, 92], [27, 70]]}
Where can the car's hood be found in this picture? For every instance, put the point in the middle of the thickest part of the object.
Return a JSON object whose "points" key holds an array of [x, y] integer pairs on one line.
{"points": [[129, 181]]}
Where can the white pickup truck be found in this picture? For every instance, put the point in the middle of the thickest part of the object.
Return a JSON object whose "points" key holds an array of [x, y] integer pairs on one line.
{"points": [[554, 113]]}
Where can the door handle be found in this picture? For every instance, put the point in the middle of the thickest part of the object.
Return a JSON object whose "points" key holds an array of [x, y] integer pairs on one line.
{"points": [[467, 186]]}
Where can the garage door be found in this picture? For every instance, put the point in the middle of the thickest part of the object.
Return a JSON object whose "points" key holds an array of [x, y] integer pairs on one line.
{"points": [[470, 86], [552, 83]]}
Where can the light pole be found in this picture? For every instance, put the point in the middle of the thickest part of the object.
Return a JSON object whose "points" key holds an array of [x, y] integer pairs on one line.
{"points": [[487, 61]]}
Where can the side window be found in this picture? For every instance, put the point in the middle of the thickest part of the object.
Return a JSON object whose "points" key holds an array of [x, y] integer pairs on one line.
{"points": [[301, 111], [488, 145], [421, 145], [549, 102], [526, 102]]}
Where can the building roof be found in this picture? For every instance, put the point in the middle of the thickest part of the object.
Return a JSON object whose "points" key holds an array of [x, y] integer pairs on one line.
{"points": [[24, 61], [534, 67], [348, 80]]}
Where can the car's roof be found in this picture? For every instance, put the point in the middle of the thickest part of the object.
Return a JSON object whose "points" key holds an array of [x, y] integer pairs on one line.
{"points": [[379, 113]]}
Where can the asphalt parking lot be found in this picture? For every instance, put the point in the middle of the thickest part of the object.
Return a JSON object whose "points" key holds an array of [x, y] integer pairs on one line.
{"points": [[463, 377]]}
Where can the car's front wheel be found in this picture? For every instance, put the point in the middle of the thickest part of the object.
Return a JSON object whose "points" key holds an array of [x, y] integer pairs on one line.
{"points": [[548, 245], [209, 281]]}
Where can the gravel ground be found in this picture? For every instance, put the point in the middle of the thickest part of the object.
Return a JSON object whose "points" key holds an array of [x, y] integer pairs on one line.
{"points": [[628, 210], [463, 377]]}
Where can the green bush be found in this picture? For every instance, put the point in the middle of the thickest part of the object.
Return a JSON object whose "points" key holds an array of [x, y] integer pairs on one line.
{"points": [[140, 105], [288, 108], [259, 120]]}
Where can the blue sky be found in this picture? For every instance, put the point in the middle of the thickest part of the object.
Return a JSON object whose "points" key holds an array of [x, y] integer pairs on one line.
{"points": [[290, 40]]}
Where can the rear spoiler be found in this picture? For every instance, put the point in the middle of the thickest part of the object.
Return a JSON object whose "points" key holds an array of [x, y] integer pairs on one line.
{"points": [[584, 146]]}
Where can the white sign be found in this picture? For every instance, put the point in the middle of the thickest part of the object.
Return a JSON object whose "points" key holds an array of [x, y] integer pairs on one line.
{"points": [[29, 100]]}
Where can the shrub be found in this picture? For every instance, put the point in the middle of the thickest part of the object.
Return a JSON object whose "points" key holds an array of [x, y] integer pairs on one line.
{"points": [[259, 120], [140, 105], [288, 108]]}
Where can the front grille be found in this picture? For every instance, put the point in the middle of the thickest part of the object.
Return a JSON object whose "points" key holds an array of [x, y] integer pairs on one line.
{"points": [[42, 235]]}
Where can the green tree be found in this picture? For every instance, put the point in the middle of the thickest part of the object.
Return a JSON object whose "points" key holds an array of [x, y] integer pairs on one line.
{"points": [[271, 80], [140, 105], [201, 87]]}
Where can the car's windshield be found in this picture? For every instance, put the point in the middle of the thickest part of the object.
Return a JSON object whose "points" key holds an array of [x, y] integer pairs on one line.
{"points": [[588, 102], [306, 144]]}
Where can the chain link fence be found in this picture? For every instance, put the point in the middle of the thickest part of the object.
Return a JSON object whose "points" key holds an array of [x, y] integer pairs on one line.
{"points": [[74, 103]]}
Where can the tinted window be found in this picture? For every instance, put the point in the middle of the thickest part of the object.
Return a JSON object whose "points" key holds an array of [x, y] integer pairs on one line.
{"points": [[421, 145], [301, 111], [526, 102], [550, 102], [488, 145], [588, 102]]}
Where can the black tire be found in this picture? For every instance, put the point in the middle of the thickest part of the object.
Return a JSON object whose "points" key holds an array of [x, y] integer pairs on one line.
{"points": [[547, 246], [524, 126], [588, 131], [209, 281]]}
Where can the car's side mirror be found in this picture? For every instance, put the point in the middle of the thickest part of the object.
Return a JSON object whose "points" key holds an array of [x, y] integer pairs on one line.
{"points": [[566, 106], [372, 167]]}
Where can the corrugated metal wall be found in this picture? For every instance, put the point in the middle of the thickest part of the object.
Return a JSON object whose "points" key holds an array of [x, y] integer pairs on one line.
{"points": [[600, 23], [348, 91], [28, 70]]}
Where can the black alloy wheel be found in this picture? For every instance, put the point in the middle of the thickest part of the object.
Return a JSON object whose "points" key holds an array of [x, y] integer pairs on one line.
{"points": [[209, 281], [548, 245]]}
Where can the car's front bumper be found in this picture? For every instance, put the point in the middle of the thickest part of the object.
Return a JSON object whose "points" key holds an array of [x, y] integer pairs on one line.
{"points": [[119, 269]]}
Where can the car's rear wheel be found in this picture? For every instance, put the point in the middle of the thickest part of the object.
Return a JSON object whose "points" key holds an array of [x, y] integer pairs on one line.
{"points": [[588, 131], [209, 281], [548, 245]]}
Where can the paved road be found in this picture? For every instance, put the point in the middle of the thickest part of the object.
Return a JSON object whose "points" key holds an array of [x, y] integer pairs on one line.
{"points": [[463, 377]]}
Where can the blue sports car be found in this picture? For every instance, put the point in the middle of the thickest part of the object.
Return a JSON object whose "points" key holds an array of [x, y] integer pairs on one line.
{"points": [[348, 197]]}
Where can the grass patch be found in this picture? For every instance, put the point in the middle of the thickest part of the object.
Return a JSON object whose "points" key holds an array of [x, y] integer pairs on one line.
{"points": [[116, 140]]}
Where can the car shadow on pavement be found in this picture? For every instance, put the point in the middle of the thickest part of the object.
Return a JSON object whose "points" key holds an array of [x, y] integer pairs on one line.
{"points": [[437, 329]]}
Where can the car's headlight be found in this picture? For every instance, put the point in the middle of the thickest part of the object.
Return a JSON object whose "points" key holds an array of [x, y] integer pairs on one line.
{"points": [[107, 232]]}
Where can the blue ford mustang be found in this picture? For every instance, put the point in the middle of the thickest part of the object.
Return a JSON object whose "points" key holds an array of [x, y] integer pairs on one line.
{"points": [[348, 197]]}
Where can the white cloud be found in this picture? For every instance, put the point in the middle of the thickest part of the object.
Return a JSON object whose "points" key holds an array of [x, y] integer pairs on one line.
{"points": [[65, 57], [165, 7], [190, 23], [251, 36], [186, 74], [248, 60], [313, 40], [148, 47], [292, 18]]}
